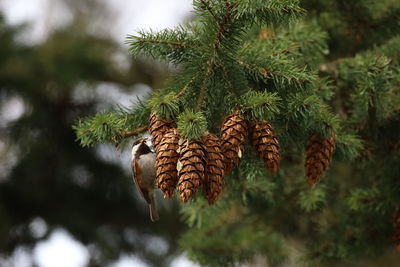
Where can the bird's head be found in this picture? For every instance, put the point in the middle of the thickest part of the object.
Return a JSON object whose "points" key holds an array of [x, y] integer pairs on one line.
{"points": [[139, 141], [140, 147]]}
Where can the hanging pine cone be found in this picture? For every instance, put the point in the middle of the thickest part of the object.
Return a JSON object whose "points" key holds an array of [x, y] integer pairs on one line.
{"points": [[319, 154], [158, 128], [166, 161], [233, 136], [191, 167], [263, 138], [214, 173], [396, 228]]}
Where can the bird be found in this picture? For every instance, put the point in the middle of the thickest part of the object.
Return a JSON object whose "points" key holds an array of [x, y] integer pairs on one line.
{"points": [[144, 174]]}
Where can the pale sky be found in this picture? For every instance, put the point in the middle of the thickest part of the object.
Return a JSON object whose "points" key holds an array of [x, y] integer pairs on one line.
{"points": [[132, 15], [61, 249]]}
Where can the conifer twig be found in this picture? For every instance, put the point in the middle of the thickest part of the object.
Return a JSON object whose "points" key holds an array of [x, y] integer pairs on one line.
{"points": [[263, 104], [211, 63], [226, 77], [171, 43], [207, 6], [283, 51], [117, 139], [286, 10], [265, 72], [221, 26], [183, 90], [137, 131], [202, 93]]}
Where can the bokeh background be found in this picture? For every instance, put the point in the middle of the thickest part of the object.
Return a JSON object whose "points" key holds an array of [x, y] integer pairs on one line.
{"points": [[62, 205]]}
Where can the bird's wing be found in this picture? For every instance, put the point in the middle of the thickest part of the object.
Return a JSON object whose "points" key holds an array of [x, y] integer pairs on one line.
{"points": [[137, 177]]}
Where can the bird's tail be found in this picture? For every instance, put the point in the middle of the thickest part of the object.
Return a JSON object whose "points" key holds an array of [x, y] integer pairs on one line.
{"points": [[153, 209]]}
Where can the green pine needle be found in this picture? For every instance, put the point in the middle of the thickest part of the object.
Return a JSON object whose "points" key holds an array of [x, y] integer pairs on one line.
{"points": [[312, 198], [192, 125], [166, 106], [260, 105]]}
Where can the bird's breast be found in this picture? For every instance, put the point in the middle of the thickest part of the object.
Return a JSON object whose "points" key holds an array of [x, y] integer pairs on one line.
{"points": [[147, 163]]}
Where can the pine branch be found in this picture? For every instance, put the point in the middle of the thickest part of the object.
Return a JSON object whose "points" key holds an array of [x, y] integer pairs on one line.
{"points": [[203, 87], [259, 106], [169, 43], [226, 78], [284, 51], [365, 200], [268, 12], [266, 73], [184, 89], [282, 10], [206, 5], [167, 106], [112, 126], [192, 125], [292, 47], [211, 63], [174, 46], [221, 26], [135, 132]]}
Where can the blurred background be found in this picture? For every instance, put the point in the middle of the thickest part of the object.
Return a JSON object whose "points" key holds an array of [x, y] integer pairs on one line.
{"points": [[62, 205]]}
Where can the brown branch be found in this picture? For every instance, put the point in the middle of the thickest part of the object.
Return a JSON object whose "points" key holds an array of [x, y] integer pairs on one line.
{"points": [[207, 6], [226, 75], [265, 72], [366, 200], [202, 94], [285, 9], [127, 134], [264, 104], [171, 43], [182, 92], [117, 139], [284, 51], [211, 63], [221, 26], [226, 78], [292, 47]]}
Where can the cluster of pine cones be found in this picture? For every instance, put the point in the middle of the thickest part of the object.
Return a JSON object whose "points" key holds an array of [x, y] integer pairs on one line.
{"points": [[191, 164]]}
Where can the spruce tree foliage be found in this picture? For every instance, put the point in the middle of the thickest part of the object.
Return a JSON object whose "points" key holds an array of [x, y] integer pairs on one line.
{"points": [[318, 67]]}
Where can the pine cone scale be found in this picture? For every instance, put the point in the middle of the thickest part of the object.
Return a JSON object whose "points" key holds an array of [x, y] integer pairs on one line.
{"points": [[319, 155], [166, 161], [214, 168], [233, 136], [158, 128], [263, 139], [192, 168]]}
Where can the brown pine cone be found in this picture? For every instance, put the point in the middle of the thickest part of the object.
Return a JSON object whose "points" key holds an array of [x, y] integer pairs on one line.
{"points": [[166, 161], [233, 136], [319, 154], [191, 167], [158, 128], [263, 138], [214, 173], [396, 229]]}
